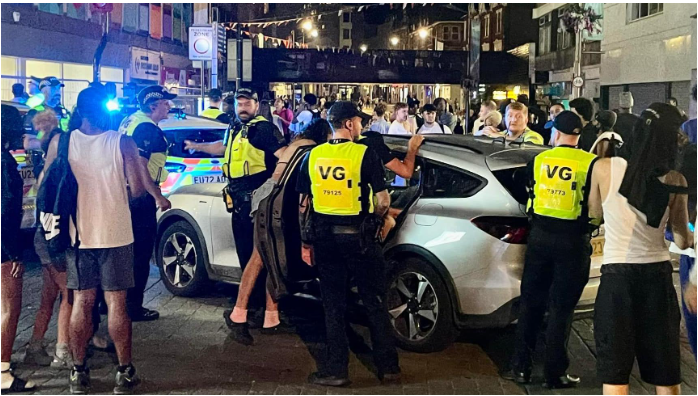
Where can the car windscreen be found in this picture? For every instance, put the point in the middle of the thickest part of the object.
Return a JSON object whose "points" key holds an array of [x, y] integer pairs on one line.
{"points": [[514, 180], [176, 138]]}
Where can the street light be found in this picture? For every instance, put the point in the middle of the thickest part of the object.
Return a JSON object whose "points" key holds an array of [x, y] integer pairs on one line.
{"points": [[307, 25], [363, 47], [394, 40], [314, 33], [423, 33]]}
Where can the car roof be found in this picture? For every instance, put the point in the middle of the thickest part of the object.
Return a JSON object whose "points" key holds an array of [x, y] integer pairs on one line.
{"points": [[193, 122], [22, 108], [497, 153]]}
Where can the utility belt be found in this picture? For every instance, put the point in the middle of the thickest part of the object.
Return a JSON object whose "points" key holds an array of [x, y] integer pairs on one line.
{"points": [[230, 196], [365, 227]]}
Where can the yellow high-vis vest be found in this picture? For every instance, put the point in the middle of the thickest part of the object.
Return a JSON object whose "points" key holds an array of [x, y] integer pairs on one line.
{"points": [[212, 113], [335, 176], [241, 157], [156, 163], [561, 176]]}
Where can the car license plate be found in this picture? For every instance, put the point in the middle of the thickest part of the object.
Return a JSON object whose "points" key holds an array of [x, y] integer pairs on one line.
{"points": [[597, 246], [209, 179]]}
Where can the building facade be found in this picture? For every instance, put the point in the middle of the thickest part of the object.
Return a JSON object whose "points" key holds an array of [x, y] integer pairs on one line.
{"points": [[147, 44], [648, 49]]}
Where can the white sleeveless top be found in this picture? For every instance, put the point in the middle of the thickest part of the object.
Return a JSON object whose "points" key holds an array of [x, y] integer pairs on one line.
{"points": [[103, 214], [629, 240]]}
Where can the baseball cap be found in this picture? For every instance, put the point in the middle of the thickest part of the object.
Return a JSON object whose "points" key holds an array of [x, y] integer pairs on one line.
{"points": [[429, 108], [247, 94], [153, 93], [568, 123], [343, 110], [215, 93], [50, 82]]}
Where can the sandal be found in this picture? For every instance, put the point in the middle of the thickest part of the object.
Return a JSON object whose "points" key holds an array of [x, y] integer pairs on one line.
{"points": [[18, 385]]}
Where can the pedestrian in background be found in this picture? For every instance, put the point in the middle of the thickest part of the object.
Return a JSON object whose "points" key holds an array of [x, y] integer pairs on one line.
{"points": [[285, 116], [558, 255], [398, 126], [18, 94], [637, 311], [584, 108], [443, 115], [379, 123], [486, 108], [12, 266]]}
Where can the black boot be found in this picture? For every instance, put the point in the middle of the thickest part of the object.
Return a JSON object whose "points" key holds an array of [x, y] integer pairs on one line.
{"points": [[239, 332]]}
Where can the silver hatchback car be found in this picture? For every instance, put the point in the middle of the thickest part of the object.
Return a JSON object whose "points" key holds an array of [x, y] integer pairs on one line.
{"points": [[455, 258]]}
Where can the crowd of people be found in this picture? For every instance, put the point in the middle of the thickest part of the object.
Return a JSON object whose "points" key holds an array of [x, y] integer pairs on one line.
{"points": [[637, 177]]}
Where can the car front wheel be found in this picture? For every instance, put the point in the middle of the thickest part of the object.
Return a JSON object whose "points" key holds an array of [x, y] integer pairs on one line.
{"points": [[420, 307], [180, 258]]}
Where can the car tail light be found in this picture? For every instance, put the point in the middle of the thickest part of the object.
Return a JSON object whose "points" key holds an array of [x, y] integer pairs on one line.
{"points": [[507, 229]]}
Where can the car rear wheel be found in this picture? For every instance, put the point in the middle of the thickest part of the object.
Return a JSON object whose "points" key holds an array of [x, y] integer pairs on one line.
{"points": [[180, 258], [420, 307]]}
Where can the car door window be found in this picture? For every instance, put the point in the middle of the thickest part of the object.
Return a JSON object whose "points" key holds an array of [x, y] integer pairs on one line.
{"points": [[402, 191], [177, 137], [442, 181]]}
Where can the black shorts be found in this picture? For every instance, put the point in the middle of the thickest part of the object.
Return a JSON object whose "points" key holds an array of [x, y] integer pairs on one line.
{"points": [[637, 316], [110, 268], [41, 249]]}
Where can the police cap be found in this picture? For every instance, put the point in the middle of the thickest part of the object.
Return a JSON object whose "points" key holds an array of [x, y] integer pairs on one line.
{"points": [[215, 94], [247, 94], [154, 93], [343, 110], [568, 123]]}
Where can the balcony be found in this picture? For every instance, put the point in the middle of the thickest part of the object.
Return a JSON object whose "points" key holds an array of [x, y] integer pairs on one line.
{"points": [[564, 59]]}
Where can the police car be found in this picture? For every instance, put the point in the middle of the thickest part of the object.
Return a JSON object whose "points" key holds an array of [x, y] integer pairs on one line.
{"points": [[455, 257], [185, 167]]}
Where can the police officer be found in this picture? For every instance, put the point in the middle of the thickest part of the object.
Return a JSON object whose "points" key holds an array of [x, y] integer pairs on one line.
{"points": [[558, 256], [251, 149], [214, 112], [50, 88], [142, 126], [337, 181]]}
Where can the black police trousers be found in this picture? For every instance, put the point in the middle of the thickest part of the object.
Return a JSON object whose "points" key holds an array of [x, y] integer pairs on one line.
{"points": [[243, 235], [144, 222], [340, 257], [556, 270]]}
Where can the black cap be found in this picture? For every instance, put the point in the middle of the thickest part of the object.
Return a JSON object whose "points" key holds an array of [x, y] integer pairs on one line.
{"points": [[247, 94], [429, 108], [50, 82], [568, 123], [343, 110], [607, 119], [92, 99], [153, 93], [215, 94]]}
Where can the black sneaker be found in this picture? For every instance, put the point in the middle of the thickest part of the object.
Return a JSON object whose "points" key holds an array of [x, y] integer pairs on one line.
{"points": [[563, 382], [79, 381], [126, 381], [239, 332], [143, 315], [328, 380], [520, 377], [281, 328]]}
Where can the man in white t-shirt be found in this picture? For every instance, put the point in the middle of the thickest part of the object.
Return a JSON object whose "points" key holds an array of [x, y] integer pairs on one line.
{"points": [[397, 127], [486, 108], [431, 126], [304, 118]]}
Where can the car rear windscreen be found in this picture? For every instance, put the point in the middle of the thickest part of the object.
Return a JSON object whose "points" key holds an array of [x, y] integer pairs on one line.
{"points": [[176, 139], [514, 180]]}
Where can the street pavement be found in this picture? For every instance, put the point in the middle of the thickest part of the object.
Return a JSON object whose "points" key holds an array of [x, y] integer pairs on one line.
{"points": [[187, 352]]}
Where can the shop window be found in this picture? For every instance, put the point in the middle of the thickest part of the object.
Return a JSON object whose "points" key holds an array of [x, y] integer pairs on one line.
{"points": [[53, 8], [545, 30], [74, 71], [643, 10], [43, 69], [9, 68]]}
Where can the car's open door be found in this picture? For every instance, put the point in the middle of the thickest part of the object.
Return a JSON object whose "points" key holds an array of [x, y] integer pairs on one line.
{"points": [[278, 236]]}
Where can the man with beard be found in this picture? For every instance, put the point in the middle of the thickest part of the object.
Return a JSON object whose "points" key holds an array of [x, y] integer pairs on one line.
{"points": [[251, 149]]}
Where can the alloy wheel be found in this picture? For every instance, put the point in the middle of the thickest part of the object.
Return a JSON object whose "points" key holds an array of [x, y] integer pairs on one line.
{"points": [[179, 259], [413, 306]]}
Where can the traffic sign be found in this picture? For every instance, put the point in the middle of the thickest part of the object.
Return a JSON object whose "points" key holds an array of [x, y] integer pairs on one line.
{"points": [[201, 43], [578, 82]]}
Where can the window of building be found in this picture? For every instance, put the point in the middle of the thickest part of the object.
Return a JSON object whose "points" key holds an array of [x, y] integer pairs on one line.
{"points": [[346, 34], [346, 17], [10, 68], [643, 10], [53, 8], [446, 33], [144, 17], [565, 39], [444, 182], [499, 26], [545, 30], [78, 11], [486, 26], [455, 33]]}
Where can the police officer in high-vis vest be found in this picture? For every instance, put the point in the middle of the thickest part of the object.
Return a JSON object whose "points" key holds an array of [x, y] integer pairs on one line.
{"points": [[338, 181], [214, 112], [142, 126], [250, 150], [558, 256]]}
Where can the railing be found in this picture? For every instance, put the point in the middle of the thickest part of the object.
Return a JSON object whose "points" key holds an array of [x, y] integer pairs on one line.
{"points": [[564, 59]]}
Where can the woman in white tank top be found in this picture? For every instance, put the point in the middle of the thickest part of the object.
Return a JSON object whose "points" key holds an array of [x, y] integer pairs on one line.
{"points": [[637, 312]]}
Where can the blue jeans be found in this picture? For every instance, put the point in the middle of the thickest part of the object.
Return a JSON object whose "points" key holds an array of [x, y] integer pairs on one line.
{"points": [[685, 266]]}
